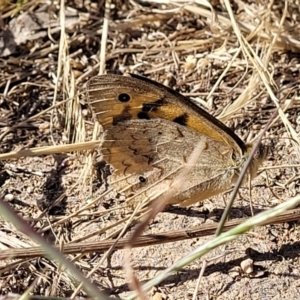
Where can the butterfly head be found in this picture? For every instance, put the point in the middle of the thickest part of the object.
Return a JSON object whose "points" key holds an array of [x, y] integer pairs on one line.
{"points": [[259, 156]]}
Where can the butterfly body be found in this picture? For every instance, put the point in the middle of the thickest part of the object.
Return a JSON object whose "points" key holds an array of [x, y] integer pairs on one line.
{"points": [[150, 132]]}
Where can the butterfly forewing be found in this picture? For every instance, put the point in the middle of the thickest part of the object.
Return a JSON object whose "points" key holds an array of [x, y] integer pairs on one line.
{"points": [[117, 99]]}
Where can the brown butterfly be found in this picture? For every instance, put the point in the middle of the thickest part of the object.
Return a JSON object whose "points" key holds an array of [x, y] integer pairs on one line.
{"points": [[151, 130]]}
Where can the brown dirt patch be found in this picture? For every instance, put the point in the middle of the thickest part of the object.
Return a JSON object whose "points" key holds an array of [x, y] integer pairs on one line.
{"points": [[186, 48]]}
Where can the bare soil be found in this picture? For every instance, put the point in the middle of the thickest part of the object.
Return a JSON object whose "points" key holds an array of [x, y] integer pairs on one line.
{"points": [[187, 48]]}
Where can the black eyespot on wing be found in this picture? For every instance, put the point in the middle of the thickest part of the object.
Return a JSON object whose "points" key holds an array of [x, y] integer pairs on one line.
{"points": [[124, 97], [143, 115], [182, 119], [142, 179]]}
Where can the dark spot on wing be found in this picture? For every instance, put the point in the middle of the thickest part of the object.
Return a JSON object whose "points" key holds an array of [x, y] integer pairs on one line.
{"points": [[182, 119], [143, 115], [124, 116], [153, 106]]}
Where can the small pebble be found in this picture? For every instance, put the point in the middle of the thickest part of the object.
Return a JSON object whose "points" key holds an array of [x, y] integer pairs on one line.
{"points": [[9, 197], [247, 266]]}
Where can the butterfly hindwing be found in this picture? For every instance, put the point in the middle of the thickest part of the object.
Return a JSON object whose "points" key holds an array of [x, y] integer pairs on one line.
{"points": [[145, 154]]}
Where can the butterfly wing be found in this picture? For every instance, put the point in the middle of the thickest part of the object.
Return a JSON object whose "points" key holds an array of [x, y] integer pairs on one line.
{"points": [[150, 132], [148, 155], [116, 99]]}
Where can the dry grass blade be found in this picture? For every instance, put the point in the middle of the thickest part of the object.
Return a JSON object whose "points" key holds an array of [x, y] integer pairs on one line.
{"points": [[144, 240], [241, 176], [155, 208], [47, 150], [175, 186]]}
